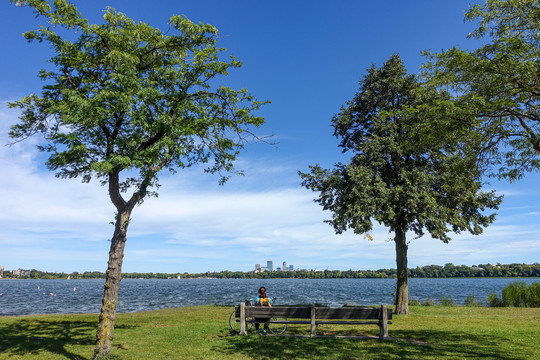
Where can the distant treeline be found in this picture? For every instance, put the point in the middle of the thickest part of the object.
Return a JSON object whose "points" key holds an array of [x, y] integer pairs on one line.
{"points": [[429, 271]]}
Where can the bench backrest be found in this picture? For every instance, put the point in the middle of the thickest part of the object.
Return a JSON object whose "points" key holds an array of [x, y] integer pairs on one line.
{"points": [[292, 312]]}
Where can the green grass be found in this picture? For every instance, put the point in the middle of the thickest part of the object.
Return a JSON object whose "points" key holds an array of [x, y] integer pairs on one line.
{"points": [[433, 332]]}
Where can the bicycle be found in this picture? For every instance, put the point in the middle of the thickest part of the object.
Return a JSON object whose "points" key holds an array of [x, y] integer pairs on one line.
{"points": [[234, 321]]}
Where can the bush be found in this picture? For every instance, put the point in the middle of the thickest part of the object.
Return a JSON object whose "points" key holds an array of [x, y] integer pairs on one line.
{"points": [[428, 302], [494, 301], [517, 294], [447, 301], [414, 302], [534, 295], [471, 301]]}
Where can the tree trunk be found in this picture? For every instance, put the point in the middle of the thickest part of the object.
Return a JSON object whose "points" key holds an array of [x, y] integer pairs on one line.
{"points": [[402, 291], [105, 331]]}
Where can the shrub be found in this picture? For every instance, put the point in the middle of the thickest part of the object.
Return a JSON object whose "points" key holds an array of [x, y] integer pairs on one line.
{"points": [[471, 301], [447, 301], [534, 295], [517, 294], [414, 302], [428, 302], [493, 300]]}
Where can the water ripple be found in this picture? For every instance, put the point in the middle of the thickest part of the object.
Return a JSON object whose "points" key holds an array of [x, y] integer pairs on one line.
{"points": [[25, 297]]}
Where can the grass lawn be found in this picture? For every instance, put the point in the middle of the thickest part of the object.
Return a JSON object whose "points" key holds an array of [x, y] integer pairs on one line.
{"points": [[202, 332]]}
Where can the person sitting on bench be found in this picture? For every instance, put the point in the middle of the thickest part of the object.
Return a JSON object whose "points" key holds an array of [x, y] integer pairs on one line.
{"points": [[262, 300]]}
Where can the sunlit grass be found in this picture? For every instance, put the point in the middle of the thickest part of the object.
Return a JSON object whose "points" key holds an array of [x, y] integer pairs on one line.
{"points": [[203, 333]]}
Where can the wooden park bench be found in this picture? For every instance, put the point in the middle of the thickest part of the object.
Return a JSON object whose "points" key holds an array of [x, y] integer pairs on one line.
{"points": [[315, 315]]}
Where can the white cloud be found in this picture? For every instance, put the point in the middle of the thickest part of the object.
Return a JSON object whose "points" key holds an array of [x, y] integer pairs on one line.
{"points": [[263, 216]]}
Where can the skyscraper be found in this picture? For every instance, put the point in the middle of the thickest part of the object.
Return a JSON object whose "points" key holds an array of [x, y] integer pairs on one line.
{"points": [[284, 266], [270, 265]]}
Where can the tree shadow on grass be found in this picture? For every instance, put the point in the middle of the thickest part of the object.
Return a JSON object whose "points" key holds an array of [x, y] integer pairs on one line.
{"points": [[34, 336], [452, 345], [406, 345], [436, 343]]}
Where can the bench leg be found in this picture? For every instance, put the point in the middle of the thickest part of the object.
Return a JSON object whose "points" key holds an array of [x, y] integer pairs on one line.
{"points": [[383, 323], [313, 321], [243, 319]]}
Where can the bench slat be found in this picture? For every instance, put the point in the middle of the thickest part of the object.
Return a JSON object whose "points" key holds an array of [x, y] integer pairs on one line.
{"points": [[347, 313], [281, 322], [279, 312], [347, 322]]}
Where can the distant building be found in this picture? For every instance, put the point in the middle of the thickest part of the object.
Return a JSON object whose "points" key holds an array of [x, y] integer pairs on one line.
{"points": [[257, 267], [285, 268], [291, 268], [260, 269], [1, 271], [21, 272], [270, 265]]}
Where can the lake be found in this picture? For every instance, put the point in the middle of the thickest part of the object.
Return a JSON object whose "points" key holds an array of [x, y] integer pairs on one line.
{"points": [[25, 297]]}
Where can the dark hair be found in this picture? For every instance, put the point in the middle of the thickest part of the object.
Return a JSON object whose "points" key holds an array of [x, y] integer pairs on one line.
{"points": [[261, 290]]}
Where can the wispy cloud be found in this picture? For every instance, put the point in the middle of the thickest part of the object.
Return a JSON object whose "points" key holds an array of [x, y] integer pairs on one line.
{"points": [[195, 225]]}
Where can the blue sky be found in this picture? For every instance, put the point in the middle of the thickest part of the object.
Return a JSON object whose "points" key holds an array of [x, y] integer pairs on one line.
{"points": [[307, 58]]}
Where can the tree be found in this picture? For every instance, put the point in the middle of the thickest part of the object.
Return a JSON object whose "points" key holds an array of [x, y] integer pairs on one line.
{"points": [[124, 102], [391, 178], [496, 86]]}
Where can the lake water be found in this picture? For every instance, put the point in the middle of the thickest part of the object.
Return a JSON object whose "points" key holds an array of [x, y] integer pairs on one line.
{"points": [[25, 297]]}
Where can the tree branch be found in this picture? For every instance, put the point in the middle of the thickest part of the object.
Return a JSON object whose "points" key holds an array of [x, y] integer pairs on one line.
{"points": [[69, 79], [114, 191]]}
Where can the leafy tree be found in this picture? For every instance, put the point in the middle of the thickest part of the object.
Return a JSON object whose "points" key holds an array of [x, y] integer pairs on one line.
{"points": [[496, 86], [124, 102], [391, 178]]}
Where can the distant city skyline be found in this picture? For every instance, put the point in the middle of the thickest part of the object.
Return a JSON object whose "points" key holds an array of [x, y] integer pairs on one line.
{"points": [[270, 267]]}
